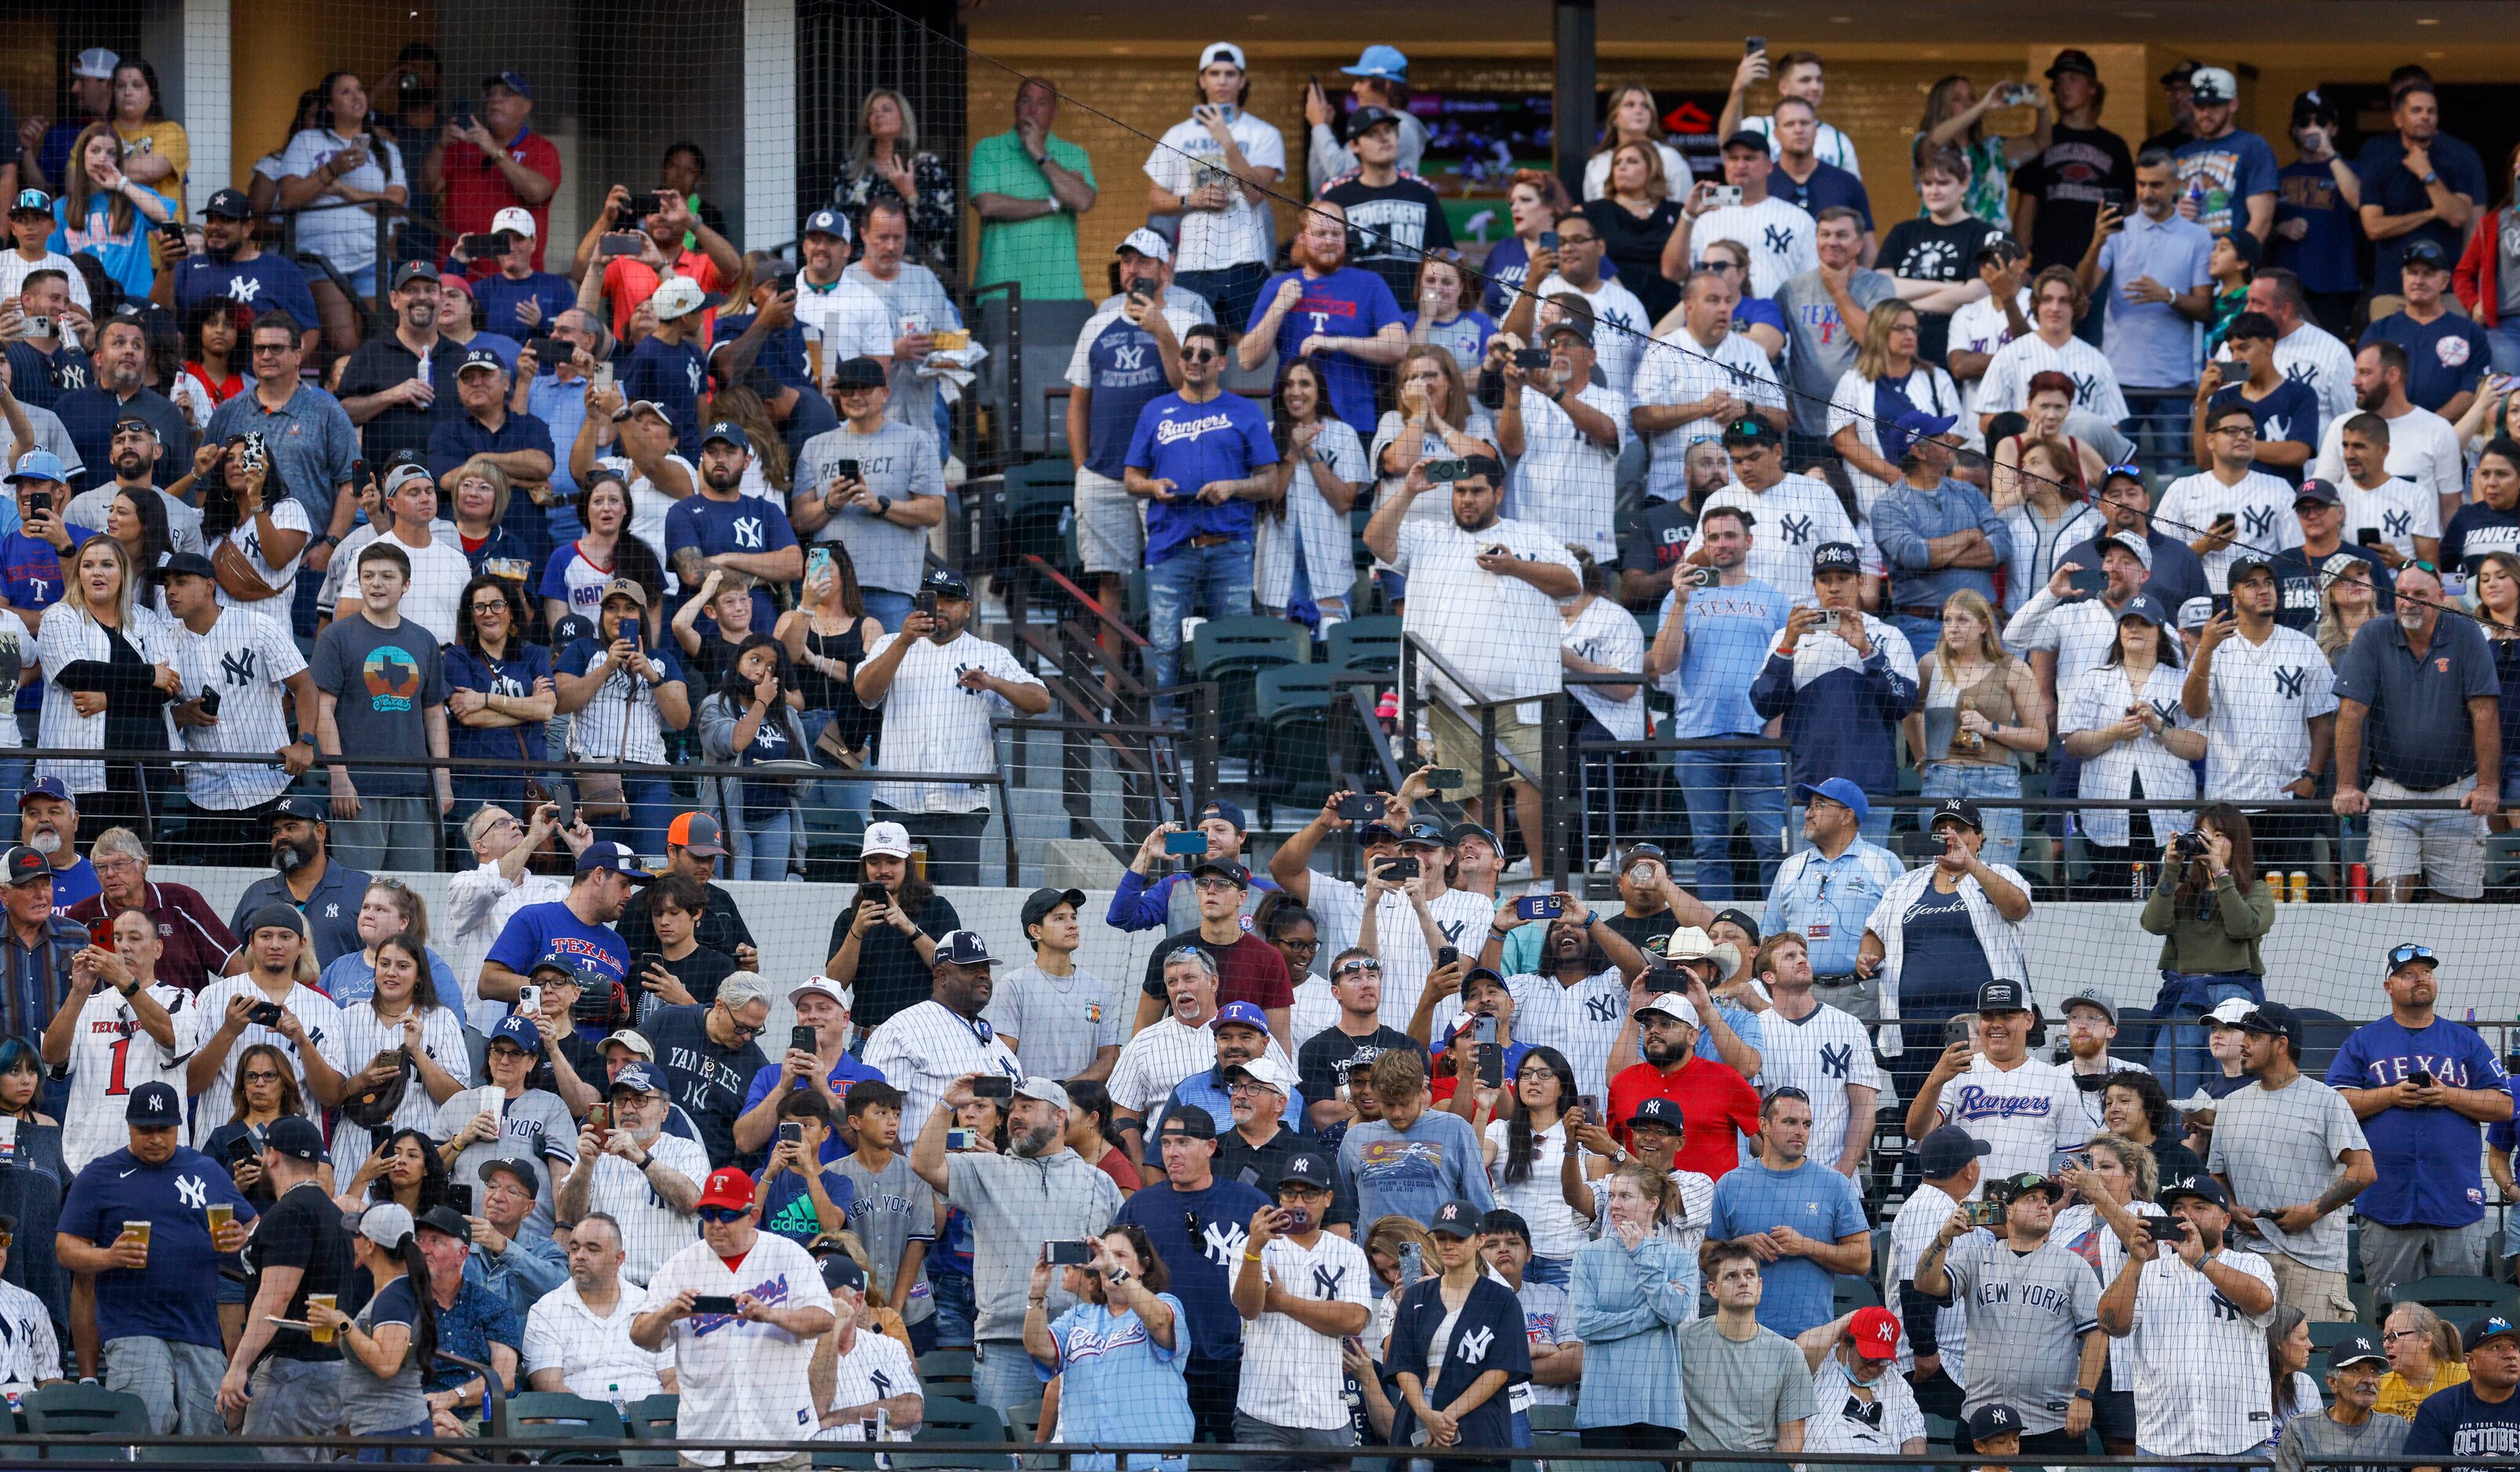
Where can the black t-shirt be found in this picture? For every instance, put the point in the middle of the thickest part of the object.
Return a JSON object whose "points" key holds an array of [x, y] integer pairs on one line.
{"points": [[721, 926], [306, 1231], [382, 362], [2298, 580], [890, 974], [1634, 241], [2475, 530], [1392, 227], [2067, 179], [1646, 932], [1924, 250], [699, 973], [1660, 538], [706, 1080], [1322, 1064]]}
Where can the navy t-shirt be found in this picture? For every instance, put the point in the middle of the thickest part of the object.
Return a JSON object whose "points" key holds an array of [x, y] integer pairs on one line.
{"points": [[2386, 183], [788, 1207], [1201, 1236], [1509, 265], [1125, 374], [2427, 1157], [2472, 531], [261, 284], [167, 1299], [537, 930], [512, 676], [2457, 1422], [1349, 302], [500, 296], [2290, 413], [2444, 357], [1827, 187], [745, 525], [781, 355], [706, 1080], [2298, 579], [1192, 445], [2324, 258], [669, 373]]}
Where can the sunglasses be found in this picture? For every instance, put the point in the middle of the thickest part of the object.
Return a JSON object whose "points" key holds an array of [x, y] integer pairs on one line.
{"points": [[1349, 967], [1200, 354], [2405, 954], [719, 1216]]}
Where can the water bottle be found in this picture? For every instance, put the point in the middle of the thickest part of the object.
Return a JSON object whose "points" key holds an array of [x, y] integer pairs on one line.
{"points": [[613, 1393], [1387, 711]]}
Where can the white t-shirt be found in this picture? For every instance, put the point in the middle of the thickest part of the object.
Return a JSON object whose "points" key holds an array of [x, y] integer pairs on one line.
{"points": [[287, 515], [1153, 1062], [111, 1055], [742, 1380], [1557, 1231], [330, 227], [593, 1352], [1676, 370], [1790, 519], [249, 659], [1500, 633], [1822, 1055], [1981, 327], [2265, 697], [2200, 1365], [1565, 482], [1316, 1010], [1621, 329], [2422, 447], [315, 1013], [2398, 510], [874, 1367], [438, 573], [1780, 234], [363, 1038], [2027, 1112], [932, 724], [2260, 509], [650, 1231], [1291, 1373], [2006, 385], [1213, 239], [1828, 144], [1607, 633], [851, 321]]}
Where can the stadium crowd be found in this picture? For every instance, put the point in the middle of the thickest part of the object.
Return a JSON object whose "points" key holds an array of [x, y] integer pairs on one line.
{"points": [[1892, 507]]}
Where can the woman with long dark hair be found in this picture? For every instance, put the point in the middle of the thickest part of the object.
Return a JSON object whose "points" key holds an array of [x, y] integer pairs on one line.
{"points": [[406, 1170], [1094, 1135], [139, 524], [827, 636], [2211, 912], [574, 578], [1302, 545], [499, 694], [391, 1340], [331, 174], [1526, 1154], [402, 1028], [2126, 724], [256, 531], [156, 152], [748, 719]]}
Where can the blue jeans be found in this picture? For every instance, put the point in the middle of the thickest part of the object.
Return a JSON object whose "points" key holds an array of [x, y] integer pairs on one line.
{"points": [[651, 810], [1003, 1376], [763, 844], [2002, 824], [1712, 784], [2157, 422], [886, 607], [954, 1309], [2179, 1056], [1214, 580], [2504, 336], [423, 1427], [1921, 633], [1231, 292]]}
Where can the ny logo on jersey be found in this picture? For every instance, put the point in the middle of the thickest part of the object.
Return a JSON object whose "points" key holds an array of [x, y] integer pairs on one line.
{"points": [[2302, 373], [2261, 519], [1131, 359], [2395, 524], [2277, 426], [192, 1191], [1779, 240], [1603, 1009], [693, 370], [882, 1384], [748, 533], [244, 289], [1798, 529], [1327, 1280], [2165, 709], [238, 666], [2086, 384], [1837, 1061], [2289, 680], [2225, 1309], [1742, 377], [1473, 1348], [1223, 1240]]}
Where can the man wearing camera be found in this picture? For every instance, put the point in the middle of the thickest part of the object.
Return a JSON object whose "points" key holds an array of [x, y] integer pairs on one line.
{"points": [[2196, 1314], [2032, 1311], [874, 486]]}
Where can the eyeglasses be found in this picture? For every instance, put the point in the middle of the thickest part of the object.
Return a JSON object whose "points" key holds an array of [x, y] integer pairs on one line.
{"points": [[260, 1075], [2238, 431], [493, 606], [719, 1216], [742, 1031], [2392, 1336], [273, 348], [1311, 945]]}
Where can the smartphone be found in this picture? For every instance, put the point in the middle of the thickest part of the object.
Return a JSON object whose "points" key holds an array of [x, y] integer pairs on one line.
{"points": [[792, 1133], [2220, 603], [712, 1303], [2165, 1228], [529, 999], [818, 563], [800, 1039], [603, 377], [1989, 1214], [263, 1014], [480, 246], [1446, 956], [1075, 1254], [1191, 844], [1548, 239], [1491, 1063], [962, 1140], [2420, 1078], [925, 602], [100, 933], [1721, 195], [641, 205], [460, 1196], [1443, 778], [1360, 807], [848, 470], [1484, 1030], [41, 327], [241, 1150], [1590, 1106], [209, 703], [564, 806], [1528, 358], [463, 115], [39, 503], [1539, 907], [1700, 577], [1439, 471], [2368, 536], [622, 243], [599, 1117], [993, 1085], [1403, 867], [1753, 45], [2089, 582], [1828, 618], [2224, 520], [1142, 290]]}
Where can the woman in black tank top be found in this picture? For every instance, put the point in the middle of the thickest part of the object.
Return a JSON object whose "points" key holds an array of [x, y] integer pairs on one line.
{"points": [[827, 636]]}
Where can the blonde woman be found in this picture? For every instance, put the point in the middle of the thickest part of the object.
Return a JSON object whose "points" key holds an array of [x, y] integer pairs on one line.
{"points": [[1435, 416], [110, 675], [885, 164], [2424, 1357], [2346, 600], [1981, 714], [2046, 514], [1889, 378], [1635, 218], [1631, 117]]}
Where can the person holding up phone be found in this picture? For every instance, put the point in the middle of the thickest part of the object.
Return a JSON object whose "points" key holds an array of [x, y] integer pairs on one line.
{"points": [[802, 1197], [1300, 1291], [1214, 170], [302, 1021], [2040, 1346], [816, 1061]]}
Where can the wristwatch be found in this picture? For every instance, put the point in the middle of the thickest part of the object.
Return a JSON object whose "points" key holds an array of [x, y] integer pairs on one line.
{"points": [[882, 506], [2081, 1394]]}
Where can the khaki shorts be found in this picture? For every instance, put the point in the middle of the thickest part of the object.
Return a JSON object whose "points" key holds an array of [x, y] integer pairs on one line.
{"points": [[2320, 1295], [1110, 526], [2444, 847], [1457, 746]]}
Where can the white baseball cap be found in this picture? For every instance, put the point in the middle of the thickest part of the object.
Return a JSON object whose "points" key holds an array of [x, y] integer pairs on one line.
{"points": [[1268, 1071], [887, 840], [679, 296], [96, 63], [820, 986], [1146, 242], [516, 220], [1222, 51], [1670, 1005]]}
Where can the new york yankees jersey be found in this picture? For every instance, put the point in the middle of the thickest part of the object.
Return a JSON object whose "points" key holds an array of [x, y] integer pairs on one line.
{"points": [[2027, 1315], [1285, 1364], [1822, 1055], [1581, 1021], [2423, 449], [2027, 1113], [111, 1054], [652, 1232], [2265, 697], [364, 1037], [30, 1349], [1676, 369], [1622, 331], [1841, 1422], [932, 722], [2397, 509], [316, 1015], [1781, 236], [1912, 1231], [2260, 512], [2200, 1364], [1788, 519], [280, 577], [2080, 1231], [1566, 482], [920, 1050], [248, 659], [874, 1367], [2007, 385], [1340, 906]]}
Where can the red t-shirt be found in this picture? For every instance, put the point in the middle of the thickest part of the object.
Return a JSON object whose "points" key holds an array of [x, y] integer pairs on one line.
{"points": [[1252, 970], [1116, 1163], [476, 190], [1717, 1107], [628, 283]]}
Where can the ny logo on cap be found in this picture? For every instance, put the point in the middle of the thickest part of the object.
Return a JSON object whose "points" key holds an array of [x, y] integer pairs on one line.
{"points": [[1301, 1164]]}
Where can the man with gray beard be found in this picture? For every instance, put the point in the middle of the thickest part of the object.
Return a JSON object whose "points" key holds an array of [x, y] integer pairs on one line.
{"points": [[2428, 734], [48, 820]]}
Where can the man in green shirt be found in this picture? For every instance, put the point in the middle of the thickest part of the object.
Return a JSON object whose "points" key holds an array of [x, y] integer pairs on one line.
{"points": [[1029, 187]]}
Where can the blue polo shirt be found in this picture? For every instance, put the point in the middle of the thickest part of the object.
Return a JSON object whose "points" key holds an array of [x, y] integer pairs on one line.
{"points": [[562, 407], [167, 1299], [669, 373], [2444, 357], [1349, 302], [1811, 1199], [311, 438], [266, 281], [2418, 733], [2148, 342], [500, 296], [1192, 444], [2427, 1157], [745, 525]]}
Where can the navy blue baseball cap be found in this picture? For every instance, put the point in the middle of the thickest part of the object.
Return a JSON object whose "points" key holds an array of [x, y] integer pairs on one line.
{"points": [[296, 1137], [1231, 812], [605, 854], [45, 787], [2202, 1188], [1658, 1111], [519, 1030], [2145, 607], [154, 1106], [1836, 557], [965, 947], [1947, 1151], [638, 1077], [1456, 1219], [1232, 872], [481, 358], [1307, 1168], [729, 431], [2491, 1326], [829, 222], [1993, 1419]]}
